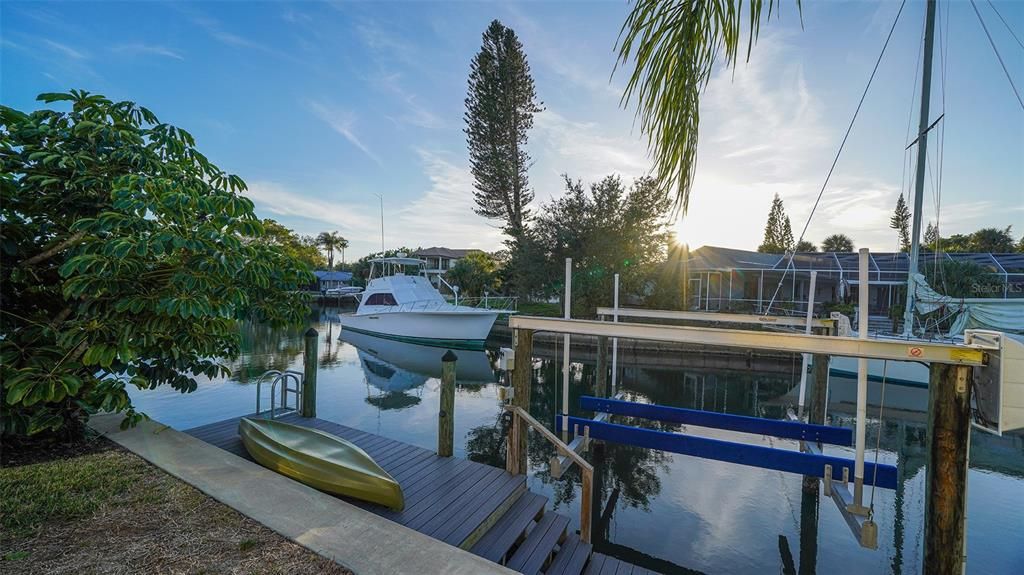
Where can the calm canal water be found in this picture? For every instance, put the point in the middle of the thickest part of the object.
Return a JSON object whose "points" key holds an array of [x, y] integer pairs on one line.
{"points": [[667, 512]]}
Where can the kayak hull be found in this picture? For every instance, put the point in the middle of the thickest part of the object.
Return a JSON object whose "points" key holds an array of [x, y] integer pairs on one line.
{"points": [[320, 460]]}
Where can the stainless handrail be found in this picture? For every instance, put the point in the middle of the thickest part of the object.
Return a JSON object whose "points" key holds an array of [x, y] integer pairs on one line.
{"points": [[259, 383]]}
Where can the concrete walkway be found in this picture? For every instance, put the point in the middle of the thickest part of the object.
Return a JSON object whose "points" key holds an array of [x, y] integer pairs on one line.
{"points": [[355, 538]]}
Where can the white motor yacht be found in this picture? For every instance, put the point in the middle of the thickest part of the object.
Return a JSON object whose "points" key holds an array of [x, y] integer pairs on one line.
{"points": [[409, 308]]}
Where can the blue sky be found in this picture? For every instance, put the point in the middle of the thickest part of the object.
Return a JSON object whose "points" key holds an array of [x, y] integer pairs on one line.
{"points": [[320, 106]]}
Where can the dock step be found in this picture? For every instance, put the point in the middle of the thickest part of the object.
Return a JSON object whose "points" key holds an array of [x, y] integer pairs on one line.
{"points": [[601, 564], [571, 557], [533, 553], [495, 544]]}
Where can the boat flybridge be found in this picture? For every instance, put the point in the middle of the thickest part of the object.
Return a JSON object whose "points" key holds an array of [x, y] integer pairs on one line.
{"points": [[409, 308]]}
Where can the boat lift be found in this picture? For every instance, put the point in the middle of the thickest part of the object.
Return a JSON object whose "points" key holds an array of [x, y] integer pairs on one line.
{"points": [[991, 359]]}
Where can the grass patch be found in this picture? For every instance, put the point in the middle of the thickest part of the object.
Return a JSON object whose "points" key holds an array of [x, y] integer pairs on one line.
{"points": [[62, 490], [111, 512]]}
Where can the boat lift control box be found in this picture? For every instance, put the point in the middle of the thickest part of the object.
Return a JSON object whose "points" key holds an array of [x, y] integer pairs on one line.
{"points": [[506, 358], [998, 404]]}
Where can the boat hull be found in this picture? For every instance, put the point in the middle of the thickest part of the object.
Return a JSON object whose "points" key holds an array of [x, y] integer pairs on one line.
{"points": [[320, 460], [458, 329]]}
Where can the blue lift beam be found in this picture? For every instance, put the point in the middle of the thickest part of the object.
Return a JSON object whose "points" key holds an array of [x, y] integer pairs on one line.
{"points": [[747, 424], [812, 464]]}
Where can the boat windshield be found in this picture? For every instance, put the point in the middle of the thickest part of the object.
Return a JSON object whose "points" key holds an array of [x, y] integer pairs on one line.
{"points": [[397, 266]]}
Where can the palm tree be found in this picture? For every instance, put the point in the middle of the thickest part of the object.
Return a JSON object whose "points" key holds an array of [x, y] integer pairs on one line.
{"points": [[342, 244], [837, 243], [675, 44], [331, 242]]}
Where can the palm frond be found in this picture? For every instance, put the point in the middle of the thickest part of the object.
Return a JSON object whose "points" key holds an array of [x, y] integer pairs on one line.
{"points": [[675, 45]]}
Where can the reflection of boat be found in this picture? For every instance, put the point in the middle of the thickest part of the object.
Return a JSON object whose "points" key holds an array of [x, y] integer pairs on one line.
{"points": [[409, 308], [320, 460], [391, 365], [909, 373]]}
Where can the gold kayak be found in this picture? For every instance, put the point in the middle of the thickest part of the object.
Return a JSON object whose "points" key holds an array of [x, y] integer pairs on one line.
{"points": [[320, 460]]}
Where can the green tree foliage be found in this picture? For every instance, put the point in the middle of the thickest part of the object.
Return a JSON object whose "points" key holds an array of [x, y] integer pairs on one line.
{"points": [[900, 221], [606, 230], [675, 45], [128, 259], [331, 242], [303, 249], [474, 274], [963, 279], [985, 240], [837, 243], [804, 246], [500, 105], [931, 237], [778, 233]]}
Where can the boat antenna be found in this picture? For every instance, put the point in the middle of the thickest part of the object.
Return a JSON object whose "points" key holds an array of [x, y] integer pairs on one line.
{"points": [[382, 254], [922, 159]]}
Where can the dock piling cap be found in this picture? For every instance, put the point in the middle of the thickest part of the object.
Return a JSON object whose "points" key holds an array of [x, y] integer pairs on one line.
{"points": [[449, 356]]}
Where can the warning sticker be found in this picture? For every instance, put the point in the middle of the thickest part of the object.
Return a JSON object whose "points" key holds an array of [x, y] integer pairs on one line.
{"points": [[915, 352]]}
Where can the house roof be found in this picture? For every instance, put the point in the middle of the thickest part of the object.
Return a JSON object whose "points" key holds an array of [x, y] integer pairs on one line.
{"points": [[439, 252], [882, 263], [323, 275]]}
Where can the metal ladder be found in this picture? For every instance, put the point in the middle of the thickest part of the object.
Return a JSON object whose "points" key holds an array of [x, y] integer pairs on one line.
{"points": [[282, 378]]}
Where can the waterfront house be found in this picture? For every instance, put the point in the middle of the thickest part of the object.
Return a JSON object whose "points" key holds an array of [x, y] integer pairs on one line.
{"points": [[326, 280], [741, 280], [440, 260]]}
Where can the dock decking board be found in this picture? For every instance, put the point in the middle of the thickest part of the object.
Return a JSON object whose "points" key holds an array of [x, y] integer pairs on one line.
{"points": [[454, 500], [443, 494]]}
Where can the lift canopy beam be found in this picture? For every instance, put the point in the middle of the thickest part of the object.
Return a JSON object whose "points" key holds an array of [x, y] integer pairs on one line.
{"points": [[739, 318], [895, 350]]}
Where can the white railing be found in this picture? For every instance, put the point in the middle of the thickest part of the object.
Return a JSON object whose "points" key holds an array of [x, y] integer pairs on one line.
{"points": [[498, 303]]}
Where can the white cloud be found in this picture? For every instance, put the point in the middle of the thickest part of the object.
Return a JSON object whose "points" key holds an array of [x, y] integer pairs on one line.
{"points": [[583, 150], [415, 113], [66, 50], [443, 215], [139, 48], [278, 200], [341, 121]]}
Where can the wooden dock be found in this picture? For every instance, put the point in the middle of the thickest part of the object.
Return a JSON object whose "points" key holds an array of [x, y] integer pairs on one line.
{"points": [[470, 505]]}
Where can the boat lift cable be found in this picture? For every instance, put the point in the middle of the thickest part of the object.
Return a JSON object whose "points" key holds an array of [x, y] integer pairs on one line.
{"points": [[998, 55], [1007, 24], [791, 251]]}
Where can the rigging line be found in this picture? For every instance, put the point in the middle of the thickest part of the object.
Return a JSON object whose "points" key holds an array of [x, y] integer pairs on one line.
{"points": [[907, 158], [1005, 23], [791, 251], [998, 55]]}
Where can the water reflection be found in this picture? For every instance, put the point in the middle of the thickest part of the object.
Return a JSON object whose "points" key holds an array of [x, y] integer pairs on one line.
{"points": [[395, 370], [667, 512]]}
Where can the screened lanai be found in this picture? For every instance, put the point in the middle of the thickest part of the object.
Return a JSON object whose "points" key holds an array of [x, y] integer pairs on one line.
{"points": [[739, 280]]}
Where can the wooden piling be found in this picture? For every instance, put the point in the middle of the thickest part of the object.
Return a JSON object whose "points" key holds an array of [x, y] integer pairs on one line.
{"points": [[309, 369], [446, 415], [522, 376], [601, 381], [949, 436]]}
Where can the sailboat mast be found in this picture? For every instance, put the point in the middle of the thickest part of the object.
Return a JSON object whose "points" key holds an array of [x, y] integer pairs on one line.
{"points": [[922, 159]]}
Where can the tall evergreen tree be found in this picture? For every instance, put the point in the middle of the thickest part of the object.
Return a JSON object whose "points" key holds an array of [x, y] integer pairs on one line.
{"points": [[778, 233], [900, 221], [931, 236], [500, 105]]}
